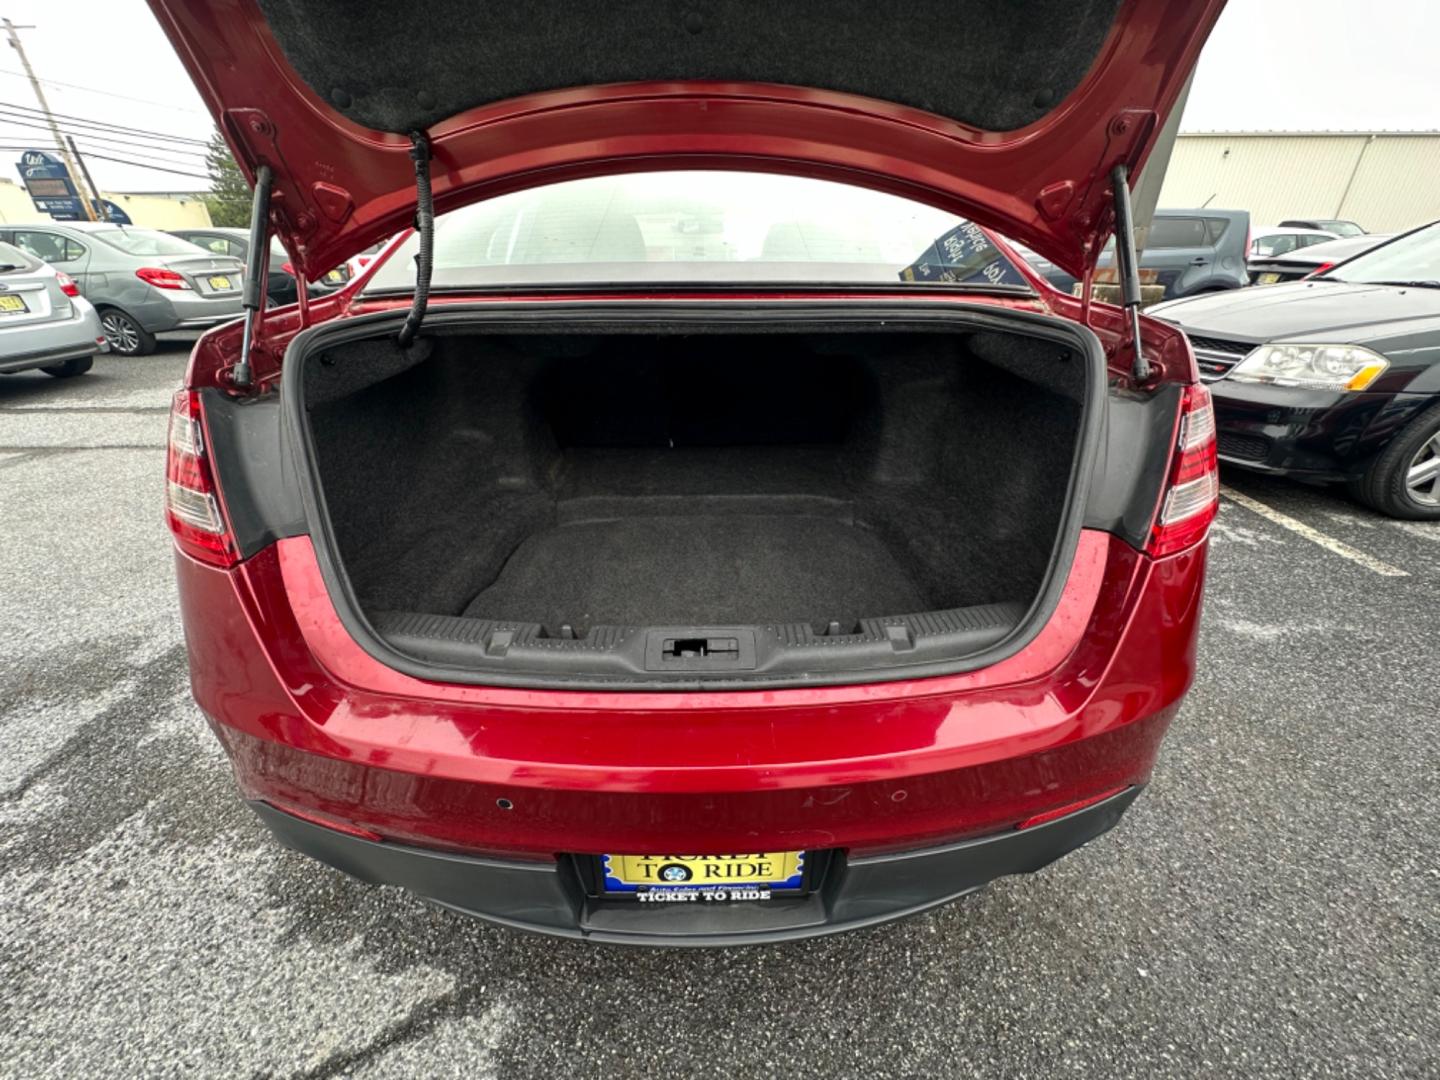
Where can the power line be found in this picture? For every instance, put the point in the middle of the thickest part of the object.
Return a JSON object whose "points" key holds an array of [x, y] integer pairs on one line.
{"points": [[98, 137], [122, 128], [142, 165], [97, 150], [109, 94]]}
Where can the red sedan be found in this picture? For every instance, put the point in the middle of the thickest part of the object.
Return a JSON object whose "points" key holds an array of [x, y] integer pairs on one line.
{"points": [[701, 528]]}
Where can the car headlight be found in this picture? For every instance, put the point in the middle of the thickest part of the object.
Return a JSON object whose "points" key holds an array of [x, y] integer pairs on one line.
{"points": [[1315, 367]]}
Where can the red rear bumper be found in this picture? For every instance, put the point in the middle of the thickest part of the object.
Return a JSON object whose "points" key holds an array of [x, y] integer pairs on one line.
{"points": [[313, 724]]}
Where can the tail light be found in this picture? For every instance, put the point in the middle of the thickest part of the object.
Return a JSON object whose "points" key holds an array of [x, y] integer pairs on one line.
{"points": [[1192, 496], [1318, 270], [67, 284], [161, 278], [192, 501]]}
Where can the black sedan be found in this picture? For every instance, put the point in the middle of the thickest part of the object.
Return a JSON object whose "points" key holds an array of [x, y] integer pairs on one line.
{"points": [[1336, 378]]}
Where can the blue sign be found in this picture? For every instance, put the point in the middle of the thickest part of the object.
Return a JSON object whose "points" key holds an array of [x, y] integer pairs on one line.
{"points": [[53, 190]]}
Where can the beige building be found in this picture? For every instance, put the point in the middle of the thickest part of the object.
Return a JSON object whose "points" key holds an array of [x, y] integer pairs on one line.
{"points": [[1384, 180], [154, 210]]}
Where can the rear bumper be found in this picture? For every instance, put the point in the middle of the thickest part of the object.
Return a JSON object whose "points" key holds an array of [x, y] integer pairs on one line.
{"points": [[1314, 434], [551, 897], [52, 343], [46, 359], [482, 797], [161, 312]]}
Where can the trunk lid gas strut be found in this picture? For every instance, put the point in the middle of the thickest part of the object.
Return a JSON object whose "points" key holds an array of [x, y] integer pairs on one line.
{"points": [[1127, 264], [257, 268], [257, 258]]}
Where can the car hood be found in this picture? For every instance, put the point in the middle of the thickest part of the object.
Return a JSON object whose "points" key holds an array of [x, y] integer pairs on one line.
{"points": [[1012, 113], [1320, 311]]}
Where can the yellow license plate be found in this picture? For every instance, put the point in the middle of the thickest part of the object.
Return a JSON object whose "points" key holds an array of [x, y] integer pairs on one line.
{"points": [[334, 277], [704, 877], [219, 282], [1267, 279], [12, 303]]}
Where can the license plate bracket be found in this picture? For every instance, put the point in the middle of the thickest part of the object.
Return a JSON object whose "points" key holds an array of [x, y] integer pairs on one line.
{"points": [[702, 878]]}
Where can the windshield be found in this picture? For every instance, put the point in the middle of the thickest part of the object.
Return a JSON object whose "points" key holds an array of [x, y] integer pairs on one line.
{"points": [[1412, 259], [701, 227], [145, 242]]}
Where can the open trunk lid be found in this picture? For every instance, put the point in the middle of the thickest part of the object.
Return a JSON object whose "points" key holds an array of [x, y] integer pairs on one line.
{"points": [[1013, 114]]}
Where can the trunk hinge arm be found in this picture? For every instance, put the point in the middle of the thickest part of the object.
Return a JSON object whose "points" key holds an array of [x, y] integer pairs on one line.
{"points": [[425, 226], [1127, 264], [257, 266]]}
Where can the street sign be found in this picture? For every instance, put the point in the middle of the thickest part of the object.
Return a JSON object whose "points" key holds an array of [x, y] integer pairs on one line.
{"points": [[53, 191]]}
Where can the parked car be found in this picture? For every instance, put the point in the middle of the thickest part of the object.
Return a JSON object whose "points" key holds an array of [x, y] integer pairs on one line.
{"points": [[44, 321], [1196, 251], [1335, 378], [1314, 259], [281, 286], [1338, 226], [1277, 241], [1186, 252], [733, 546], [142, 281]]}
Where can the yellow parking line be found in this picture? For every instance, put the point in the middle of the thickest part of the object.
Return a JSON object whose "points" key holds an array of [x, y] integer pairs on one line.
{"points": [[1315, 536]]}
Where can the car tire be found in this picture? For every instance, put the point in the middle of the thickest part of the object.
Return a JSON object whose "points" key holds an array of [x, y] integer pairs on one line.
{"points": [[70, 368], [126, 336], [1404, 478]]}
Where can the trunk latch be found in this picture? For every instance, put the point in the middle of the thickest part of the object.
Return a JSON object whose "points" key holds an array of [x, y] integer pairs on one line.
{"points": [[699, 650]]}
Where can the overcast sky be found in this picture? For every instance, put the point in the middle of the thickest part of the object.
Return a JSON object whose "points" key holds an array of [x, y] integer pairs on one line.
{"points": [[1272, 64]]}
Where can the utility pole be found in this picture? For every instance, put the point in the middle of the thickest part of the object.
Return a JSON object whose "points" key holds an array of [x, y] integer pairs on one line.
{"points": [[93, 191], [10, 29]]}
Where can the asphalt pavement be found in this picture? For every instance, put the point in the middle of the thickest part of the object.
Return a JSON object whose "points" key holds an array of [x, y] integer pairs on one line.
{"points": [[1269, 907]]}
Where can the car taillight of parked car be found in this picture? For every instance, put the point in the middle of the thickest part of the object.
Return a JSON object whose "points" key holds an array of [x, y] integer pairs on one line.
{"points": [[1192, 496], [161, 278], [67, 284], [1318, 270], [192, 501]]}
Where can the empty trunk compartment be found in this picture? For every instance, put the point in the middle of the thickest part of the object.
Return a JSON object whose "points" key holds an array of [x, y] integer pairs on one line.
{"points": [[707, 500]]}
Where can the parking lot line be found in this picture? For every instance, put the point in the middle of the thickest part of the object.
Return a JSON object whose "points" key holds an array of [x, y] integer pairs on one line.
{"points": [[1429, 532], [1329, 543]]}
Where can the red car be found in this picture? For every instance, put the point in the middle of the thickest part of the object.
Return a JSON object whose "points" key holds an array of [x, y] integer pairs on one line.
{"points": [[702, 529]]}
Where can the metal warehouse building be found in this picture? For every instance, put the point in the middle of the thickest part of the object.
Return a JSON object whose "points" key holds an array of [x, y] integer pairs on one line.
{"points": [[1385, 180]]}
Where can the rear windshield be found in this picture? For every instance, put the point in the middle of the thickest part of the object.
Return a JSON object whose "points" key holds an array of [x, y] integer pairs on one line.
{"points": [[702, 227], [145, 242], [13, 259]]}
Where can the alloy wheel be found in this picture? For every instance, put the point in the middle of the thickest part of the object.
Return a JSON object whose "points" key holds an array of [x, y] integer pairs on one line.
{"points": [[1422, 478], [120, 332]]}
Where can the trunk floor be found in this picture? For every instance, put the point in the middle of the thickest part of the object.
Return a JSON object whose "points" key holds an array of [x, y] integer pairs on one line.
{"points": [[699, 571]]}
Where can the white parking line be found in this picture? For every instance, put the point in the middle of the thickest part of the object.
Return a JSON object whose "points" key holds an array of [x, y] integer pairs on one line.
{"points": [[1414, 528], [1329, 543]]}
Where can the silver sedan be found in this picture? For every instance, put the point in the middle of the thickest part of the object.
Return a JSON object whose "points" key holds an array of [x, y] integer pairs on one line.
{"points": [[44, 321], [142, 281]]}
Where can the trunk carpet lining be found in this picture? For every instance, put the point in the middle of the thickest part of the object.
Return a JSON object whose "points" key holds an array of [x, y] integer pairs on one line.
{"points": [[703, 570], [696, 480]]}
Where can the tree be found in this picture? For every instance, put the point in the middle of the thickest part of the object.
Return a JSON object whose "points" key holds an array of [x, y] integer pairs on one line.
{"points": [[229, 197]]}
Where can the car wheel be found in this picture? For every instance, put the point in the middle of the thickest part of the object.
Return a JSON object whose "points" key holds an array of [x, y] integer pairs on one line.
{"points": [[1404, 480], [126, 336], [69, 368]]}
